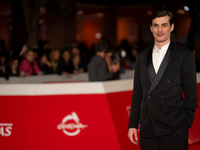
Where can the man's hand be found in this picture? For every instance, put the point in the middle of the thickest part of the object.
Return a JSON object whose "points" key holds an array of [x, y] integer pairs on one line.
{"points": [[132, 132], [115, 67]]}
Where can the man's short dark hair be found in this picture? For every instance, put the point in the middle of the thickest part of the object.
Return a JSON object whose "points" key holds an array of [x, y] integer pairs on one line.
{"points": [[101, 46], [162, 13]]}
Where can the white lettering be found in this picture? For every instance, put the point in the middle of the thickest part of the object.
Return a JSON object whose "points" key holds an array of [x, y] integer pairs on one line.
{"points": [[8, 130], [2, 131]]}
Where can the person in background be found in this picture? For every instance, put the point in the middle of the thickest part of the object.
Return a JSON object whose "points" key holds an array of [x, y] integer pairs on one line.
{"points": [[125, 60], [2, 64], [75, 65], [44, 64], [64, 63], [108, 55], [54, 58], [12, 68], [134, 52], [29, 66], [110, 59], [83, 60], [97, 67], [75, 51], [22, 52]]}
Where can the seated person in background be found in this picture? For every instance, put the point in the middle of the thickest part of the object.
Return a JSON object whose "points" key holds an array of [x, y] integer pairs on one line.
{"points": [[12, 68], [64, 63], [83, 60], [97, 67], [75, 51], [54, 58], [2, 64], [75, 65], [44, 64], [29, 66]]}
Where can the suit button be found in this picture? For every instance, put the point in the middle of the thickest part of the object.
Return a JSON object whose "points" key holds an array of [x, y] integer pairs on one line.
{"points": [[162, 96], [149, 96], [164, 109], [168, 81]]}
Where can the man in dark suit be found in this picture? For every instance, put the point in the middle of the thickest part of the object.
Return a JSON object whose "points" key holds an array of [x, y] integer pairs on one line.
{"points": [[163, 73]]}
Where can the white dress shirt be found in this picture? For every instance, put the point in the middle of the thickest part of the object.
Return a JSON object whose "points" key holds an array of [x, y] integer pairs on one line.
{"points": [[158, 56]]}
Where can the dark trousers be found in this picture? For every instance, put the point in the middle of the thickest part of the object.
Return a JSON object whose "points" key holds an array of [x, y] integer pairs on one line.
{"points": [[175, 141]]}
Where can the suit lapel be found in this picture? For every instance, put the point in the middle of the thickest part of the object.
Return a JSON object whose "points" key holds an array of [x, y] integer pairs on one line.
{"points": [[150, 68], [162, 67]]}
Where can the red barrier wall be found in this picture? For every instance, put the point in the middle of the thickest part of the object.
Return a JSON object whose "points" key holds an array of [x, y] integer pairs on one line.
{"points": [[90, 121]]}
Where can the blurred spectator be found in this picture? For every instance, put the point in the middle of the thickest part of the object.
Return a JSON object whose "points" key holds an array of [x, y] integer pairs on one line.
{"points": [[126, 46], [29, 66], [75, 65], [134, 52], [197, 59], [75, 51], [64, 63], [126, 63], [116, 61], [125, 60], [36, 51], [2, 64], [44, 46], [111, 59], [108, 55], [83, 60], [97, 67], [23, 52], [44, 64], [54, 58], [12, 68]]}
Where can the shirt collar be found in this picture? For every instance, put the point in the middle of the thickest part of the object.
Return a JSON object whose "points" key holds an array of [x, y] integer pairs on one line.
{"points": [[164, 48]]}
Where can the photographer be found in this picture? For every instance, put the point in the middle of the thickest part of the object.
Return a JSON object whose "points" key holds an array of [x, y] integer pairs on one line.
{"points": [[97, 67], [111, 59]]}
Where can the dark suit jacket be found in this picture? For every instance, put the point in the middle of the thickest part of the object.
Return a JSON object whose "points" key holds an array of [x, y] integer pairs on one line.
{"points": [[97, 69], [157, 101]]}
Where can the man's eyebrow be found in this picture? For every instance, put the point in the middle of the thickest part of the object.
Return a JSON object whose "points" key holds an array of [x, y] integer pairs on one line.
{"points": [[155, 24]]}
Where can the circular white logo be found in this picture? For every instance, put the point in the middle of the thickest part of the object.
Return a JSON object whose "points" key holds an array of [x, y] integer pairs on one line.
{"points": [[69, 127]]}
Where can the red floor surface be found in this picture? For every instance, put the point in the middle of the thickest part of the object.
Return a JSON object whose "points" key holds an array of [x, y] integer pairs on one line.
{"points": [[194, 146]]}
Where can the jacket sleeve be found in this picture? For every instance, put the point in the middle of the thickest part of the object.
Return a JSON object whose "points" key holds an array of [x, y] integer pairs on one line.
{"points": [[24, 66], [189, 85], [136, 98], [103, 74]]}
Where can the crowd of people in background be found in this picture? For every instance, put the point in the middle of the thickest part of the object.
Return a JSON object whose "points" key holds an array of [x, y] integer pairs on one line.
{"points": [[24, 61]]}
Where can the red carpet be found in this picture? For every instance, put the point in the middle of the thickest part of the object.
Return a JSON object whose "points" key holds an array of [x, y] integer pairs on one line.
{"points": [[194, 146]]}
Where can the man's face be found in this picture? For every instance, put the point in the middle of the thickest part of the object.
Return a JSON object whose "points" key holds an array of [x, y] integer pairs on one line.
{"points": [[161, 29]]}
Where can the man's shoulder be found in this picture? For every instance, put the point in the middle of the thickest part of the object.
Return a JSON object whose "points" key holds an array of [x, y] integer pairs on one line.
{"points": [[182, 49], [95, 61], [144, 51]]}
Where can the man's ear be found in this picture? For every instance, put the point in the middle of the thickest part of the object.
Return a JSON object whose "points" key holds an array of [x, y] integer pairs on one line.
{"points": [[172, 27], [151, 28]]}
